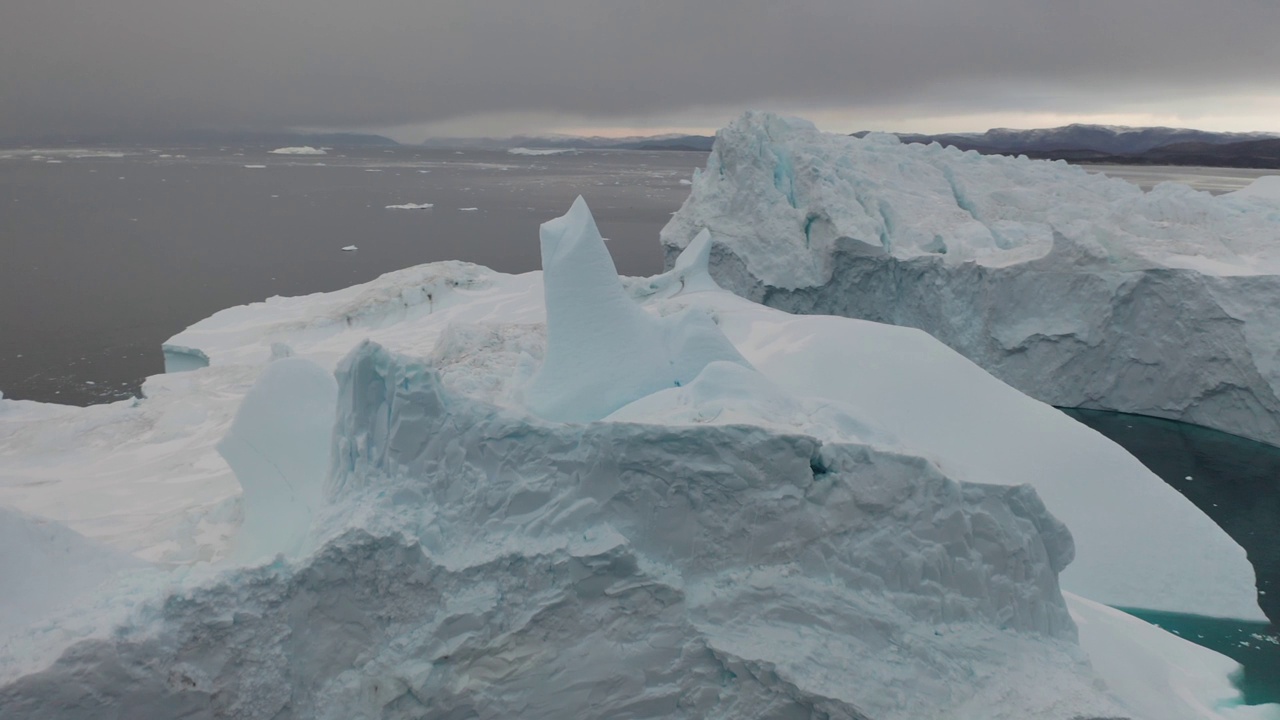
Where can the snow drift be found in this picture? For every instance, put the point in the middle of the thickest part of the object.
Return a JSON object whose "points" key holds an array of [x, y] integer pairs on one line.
{"points": [[1077, 289], [721, 528]]}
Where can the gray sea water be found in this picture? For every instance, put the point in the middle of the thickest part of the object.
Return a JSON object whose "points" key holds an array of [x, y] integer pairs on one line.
{"points": [[104, 255]]}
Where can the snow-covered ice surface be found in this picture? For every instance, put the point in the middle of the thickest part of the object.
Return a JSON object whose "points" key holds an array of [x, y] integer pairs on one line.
{"points": [[761, 537], [303, 150], [1077, 289]]}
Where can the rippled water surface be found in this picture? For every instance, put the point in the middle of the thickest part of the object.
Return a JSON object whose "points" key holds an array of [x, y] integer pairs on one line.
{"points": [[106, 254]]}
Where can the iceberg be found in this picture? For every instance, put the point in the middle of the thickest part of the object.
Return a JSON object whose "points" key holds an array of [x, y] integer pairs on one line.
{"points": [[411, 206], [1078, 289], [536, 152], [427, 518], [303, 150]]}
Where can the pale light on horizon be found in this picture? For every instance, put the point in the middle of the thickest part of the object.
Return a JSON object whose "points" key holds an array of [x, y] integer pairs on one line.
{"points": [[1258, 113]]}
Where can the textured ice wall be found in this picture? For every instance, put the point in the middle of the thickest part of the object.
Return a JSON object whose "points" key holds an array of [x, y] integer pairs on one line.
{"points": [[1079, 290], [503, 566]]}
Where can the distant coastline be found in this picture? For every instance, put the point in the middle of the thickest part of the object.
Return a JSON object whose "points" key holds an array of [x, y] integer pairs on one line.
{"points": [[1105, 145]]}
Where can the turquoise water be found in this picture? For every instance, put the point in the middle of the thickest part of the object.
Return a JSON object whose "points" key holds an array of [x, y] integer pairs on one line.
{"points": [[1256, 646], [1236, 482]]}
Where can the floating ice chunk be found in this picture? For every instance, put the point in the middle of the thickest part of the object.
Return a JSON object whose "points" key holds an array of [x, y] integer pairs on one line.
{"points": [[411, 206], [686, 181], [349, 248], [303, 150], [251, 167], [278, 447], [603, 350], [470, 209], [542, 151]]}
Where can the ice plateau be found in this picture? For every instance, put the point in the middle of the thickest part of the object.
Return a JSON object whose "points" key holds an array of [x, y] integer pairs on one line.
{"points": [[1078, 289], [393, 501]]}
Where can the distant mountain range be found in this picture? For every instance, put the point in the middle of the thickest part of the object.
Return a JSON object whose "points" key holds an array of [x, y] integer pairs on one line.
{"points": [[1074, 143], [699, 143], [1122, 145]]}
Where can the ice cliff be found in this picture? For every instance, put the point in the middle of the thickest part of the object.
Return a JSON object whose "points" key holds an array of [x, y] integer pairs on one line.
{"points": [[723, 526], [1077, 289]]}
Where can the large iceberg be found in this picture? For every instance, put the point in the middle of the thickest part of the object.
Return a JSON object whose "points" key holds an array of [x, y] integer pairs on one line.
{"points": [[1078, 289], [750, 515]]}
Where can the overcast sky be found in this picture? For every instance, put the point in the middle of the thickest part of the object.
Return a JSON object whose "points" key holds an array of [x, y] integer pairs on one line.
{"points": [[484, 67]]}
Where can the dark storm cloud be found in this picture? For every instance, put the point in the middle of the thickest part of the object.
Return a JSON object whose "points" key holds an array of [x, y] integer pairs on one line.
{"points": [[91, 65]]}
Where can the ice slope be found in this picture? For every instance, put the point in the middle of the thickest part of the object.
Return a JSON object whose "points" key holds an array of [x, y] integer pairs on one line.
{"points": [[1266, 188], [1077, 289], [760, 545], [45, 565], [139, 475]]}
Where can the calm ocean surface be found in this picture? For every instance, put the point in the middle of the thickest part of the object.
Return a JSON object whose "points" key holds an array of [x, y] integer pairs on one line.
{"points": [[104, 258]]}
